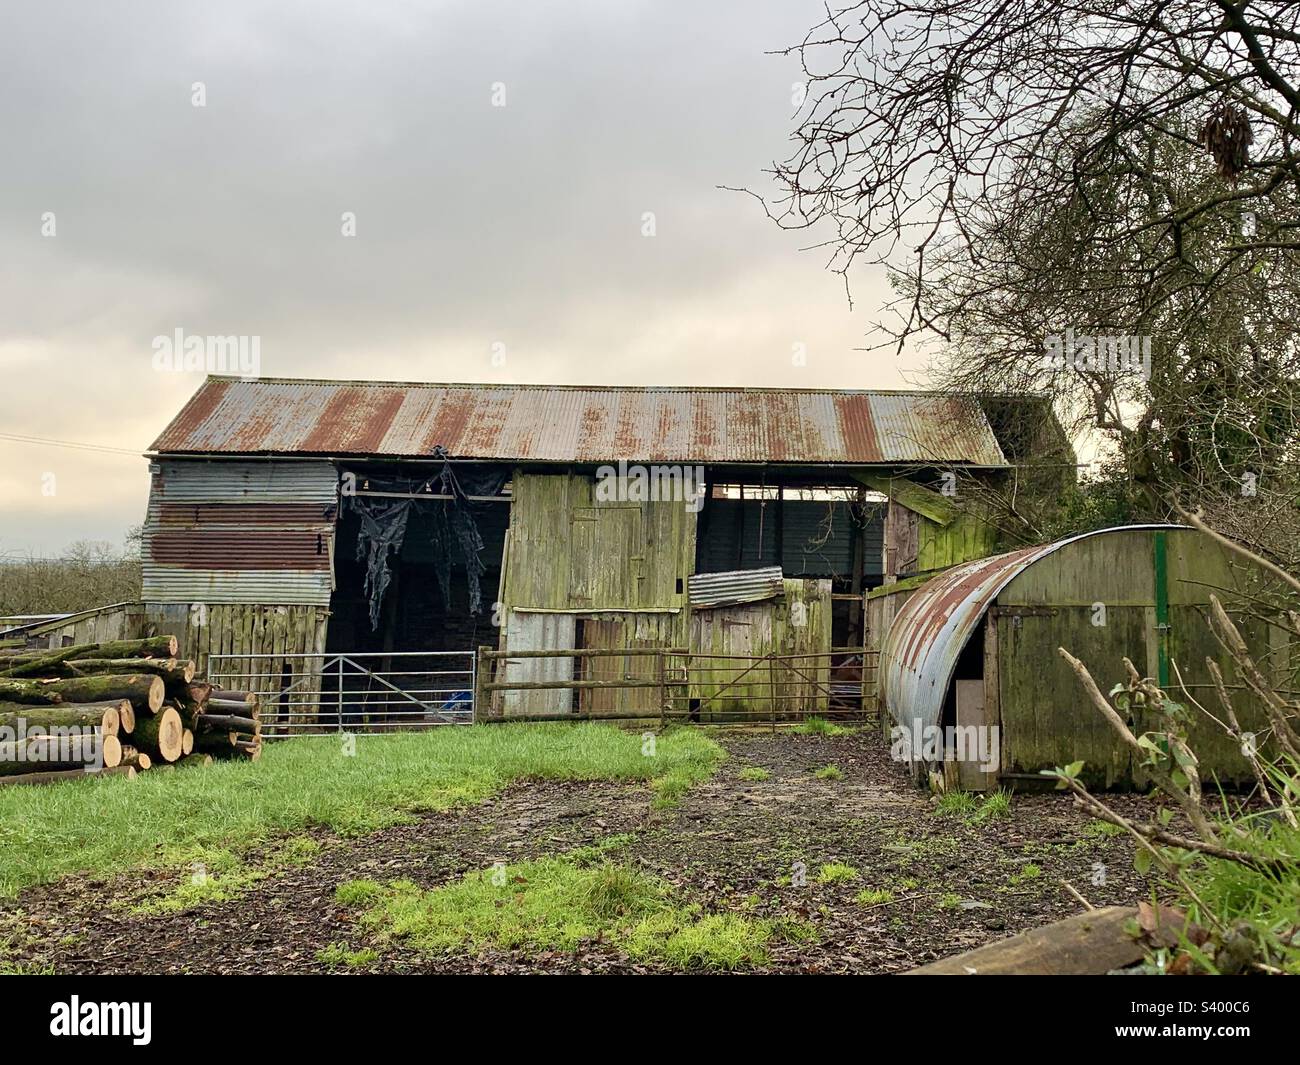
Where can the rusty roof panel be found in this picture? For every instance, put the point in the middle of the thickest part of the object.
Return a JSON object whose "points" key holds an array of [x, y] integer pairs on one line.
{"points": [[559, 423], [932, 628]]}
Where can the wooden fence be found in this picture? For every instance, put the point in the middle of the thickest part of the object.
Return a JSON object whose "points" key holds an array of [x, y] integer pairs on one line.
{"points": [[672, 684]]}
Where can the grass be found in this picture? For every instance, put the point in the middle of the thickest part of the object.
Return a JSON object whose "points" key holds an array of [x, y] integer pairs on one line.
{"points": [[220, 875], [829, 772], [957, 804], [949, 901], [819, 726], [994, 806], [972, 808], [104, 826], [559, 903], [873, 897], [836, 873], [754, 774], [1261, 908], [1027, 872], [338, 956]]}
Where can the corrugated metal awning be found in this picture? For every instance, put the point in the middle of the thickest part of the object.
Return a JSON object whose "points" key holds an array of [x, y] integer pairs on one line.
{"points": [[709, 590], [557, 423]]}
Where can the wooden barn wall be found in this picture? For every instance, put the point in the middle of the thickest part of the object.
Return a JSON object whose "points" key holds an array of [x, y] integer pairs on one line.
{"points": [[967, 537], [758, 629], [271, 633], [612, 573], [567, 551], [1046, 719], [124, 621], [528, 631], [622, 631], [882, 607]]}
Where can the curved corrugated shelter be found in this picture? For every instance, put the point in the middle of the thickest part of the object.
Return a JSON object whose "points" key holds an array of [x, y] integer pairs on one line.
{"points": [[933, 627]]}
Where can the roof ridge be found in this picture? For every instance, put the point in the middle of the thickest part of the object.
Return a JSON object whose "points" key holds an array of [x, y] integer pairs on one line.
{"points": [[366, 383]]}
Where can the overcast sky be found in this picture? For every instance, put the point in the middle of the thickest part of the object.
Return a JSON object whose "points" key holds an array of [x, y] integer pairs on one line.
{"points": [[520, 225]]}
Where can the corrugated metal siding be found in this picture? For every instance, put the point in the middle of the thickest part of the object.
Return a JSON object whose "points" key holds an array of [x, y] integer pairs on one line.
{"points": [[240, 532], [548, 423], [738, 586], [929, 632], [803, 553]]}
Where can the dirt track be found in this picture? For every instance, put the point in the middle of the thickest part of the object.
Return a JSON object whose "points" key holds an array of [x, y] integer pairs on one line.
{"points": [[728, 839]]}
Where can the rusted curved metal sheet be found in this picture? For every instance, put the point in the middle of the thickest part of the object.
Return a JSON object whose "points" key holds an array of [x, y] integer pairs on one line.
{"points": [[932, 628]]}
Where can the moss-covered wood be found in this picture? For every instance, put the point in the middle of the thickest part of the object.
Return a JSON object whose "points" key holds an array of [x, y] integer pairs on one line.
{"points": [[103, 715], [145, 691], [160, 736]]}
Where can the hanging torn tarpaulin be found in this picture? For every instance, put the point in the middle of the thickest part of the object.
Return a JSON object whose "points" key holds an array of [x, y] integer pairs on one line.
{"points": [[453, 528], [382, 532]]}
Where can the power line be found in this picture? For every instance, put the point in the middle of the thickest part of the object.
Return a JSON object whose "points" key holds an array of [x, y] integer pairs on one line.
{"points": [[106, 449]]}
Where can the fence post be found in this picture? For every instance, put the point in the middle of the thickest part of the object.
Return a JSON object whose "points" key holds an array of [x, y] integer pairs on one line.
{"points": [[771, 683], [340, 692], [663, 691], [482, 673]]}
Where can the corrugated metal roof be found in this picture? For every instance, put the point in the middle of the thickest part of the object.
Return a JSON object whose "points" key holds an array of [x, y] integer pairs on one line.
{"points": [[559, 423], [737, 586], [240, 532], [932, 628]]}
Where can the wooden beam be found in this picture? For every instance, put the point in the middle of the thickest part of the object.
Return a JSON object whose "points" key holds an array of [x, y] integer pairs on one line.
{"points": [[1087, 944]]}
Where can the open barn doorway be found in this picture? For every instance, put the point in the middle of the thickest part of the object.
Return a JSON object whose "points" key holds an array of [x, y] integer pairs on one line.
{"points": [[417, 573]]}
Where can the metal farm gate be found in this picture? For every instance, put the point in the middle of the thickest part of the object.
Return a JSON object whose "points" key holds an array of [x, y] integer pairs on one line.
{"points": [[364, 693]]}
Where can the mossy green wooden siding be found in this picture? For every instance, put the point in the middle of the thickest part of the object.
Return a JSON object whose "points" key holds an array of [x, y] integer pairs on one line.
{"points": [[1046, 719], [797, 623], [966, 537], [567, 551]]}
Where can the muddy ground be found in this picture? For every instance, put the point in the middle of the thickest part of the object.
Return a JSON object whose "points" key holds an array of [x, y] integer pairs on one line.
{"points": [[956, 884]]}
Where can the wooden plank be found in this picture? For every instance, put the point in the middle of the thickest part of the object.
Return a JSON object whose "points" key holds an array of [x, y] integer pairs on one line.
{"points": [[1087, 944], [972, 712]]}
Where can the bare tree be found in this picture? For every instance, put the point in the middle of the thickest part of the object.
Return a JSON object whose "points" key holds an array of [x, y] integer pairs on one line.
{"points": [[1033, 172]]}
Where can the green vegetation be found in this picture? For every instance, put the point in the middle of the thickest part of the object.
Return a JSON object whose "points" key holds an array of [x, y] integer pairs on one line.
{"points": [[949, 901], [819, 726], [829, 772], [338, 956], [1027, 872], [974, 809], [836, 873], [994, 806], [957, 804], [358, 892], [108, 825], [873, 897], [217, 875], [754, 774], [559, 903]]}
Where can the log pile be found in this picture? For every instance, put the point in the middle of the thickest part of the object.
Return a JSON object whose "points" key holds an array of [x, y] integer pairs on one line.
{"points": [[135, 705]]}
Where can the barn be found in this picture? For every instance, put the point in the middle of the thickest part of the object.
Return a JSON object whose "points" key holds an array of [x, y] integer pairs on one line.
{"points": [[301, 530]]}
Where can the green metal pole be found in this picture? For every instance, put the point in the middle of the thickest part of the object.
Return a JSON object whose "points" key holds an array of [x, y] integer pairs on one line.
{"points": [[1162, 609]]}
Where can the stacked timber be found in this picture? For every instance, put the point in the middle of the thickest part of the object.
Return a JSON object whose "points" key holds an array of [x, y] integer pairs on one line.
{"points": [[120, 707]]}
